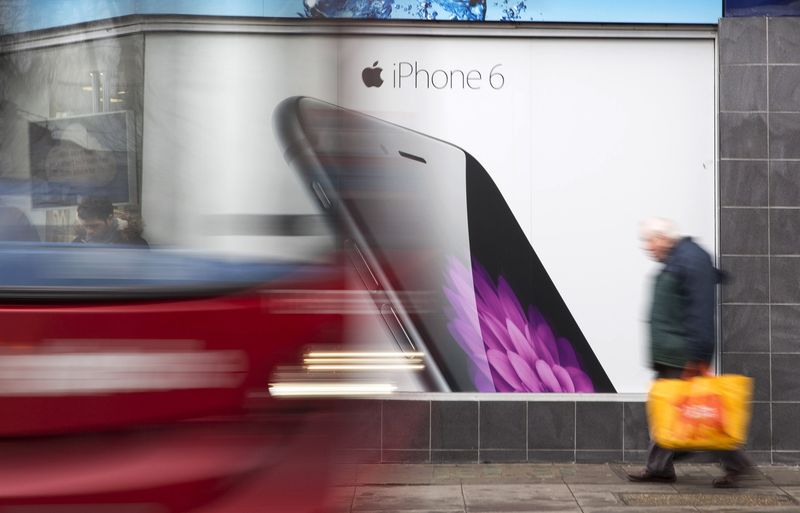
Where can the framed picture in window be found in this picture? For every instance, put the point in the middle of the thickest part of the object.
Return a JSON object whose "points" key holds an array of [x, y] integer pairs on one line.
{"points": [[75, 157]]}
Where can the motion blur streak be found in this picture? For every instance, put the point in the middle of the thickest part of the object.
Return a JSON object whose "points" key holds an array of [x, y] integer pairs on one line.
{"points": [[363, 361], [89, 373], [329, 389]]}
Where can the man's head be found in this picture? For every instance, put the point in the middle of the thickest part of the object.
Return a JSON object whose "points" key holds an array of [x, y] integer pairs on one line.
{"points": [[96, 216], [658, 235]]}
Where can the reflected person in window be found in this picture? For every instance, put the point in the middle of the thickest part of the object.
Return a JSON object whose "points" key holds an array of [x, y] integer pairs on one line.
{"points": [[98, 225]]}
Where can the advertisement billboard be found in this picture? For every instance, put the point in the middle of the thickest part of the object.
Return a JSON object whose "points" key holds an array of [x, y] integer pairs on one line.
{"points": [[487, 190]]}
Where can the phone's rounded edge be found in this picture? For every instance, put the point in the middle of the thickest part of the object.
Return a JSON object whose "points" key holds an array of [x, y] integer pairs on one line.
{"points": [[287, 125], [294, 143]]}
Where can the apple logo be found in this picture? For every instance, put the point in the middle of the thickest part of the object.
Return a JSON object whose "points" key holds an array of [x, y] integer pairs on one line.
{"points": [[372, 76]]}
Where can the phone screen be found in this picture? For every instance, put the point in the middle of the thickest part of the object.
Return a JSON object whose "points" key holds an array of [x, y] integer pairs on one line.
{"points": [[453, 254]]}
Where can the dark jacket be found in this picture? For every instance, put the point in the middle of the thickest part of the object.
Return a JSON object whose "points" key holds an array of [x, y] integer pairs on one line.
{"points": [[684, 303]]}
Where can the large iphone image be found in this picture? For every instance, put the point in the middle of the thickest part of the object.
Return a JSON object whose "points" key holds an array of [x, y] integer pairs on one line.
{"points": [[450, 270]]}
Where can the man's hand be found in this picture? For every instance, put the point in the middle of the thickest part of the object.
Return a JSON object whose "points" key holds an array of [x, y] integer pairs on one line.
{"points": [[694, 369]]}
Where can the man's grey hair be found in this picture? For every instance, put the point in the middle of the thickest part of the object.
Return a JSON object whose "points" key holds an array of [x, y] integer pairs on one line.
{"points": [[658, 226]]}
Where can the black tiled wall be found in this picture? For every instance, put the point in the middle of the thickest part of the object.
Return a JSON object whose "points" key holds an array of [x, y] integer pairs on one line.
{"points": [[759, 177], [473, 431]]}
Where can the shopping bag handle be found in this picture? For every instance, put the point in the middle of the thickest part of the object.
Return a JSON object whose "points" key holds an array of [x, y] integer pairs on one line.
{"points": [[695, 369]]}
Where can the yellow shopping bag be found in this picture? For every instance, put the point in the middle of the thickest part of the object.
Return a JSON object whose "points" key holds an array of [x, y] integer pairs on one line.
{"points": [[701, 413]]}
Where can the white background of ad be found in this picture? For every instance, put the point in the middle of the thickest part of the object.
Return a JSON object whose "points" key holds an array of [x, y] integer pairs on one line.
{"points": [[585, 138]]}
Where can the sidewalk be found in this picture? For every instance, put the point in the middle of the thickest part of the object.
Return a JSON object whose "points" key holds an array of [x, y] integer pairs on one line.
{"points": [[581, 488]]}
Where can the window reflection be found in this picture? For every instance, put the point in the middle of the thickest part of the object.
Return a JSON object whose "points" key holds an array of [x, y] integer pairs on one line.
{"points": [[70, 127]]}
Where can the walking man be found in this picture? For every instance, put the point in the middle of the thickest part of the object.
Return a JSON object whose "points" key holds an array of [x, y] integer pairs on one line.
{"points": [[682, 332]]}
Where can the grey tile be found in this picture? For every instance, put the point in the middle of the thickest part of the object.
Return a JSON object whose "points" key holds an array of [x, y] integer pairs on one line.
{"points": [[405, 456], [755, 366], [784, 279], [785, 384], [636, 435], [786, 457], [783, 229], [784, 88], [784, 184], [598, 426], [444, 456], [760, 457], [743, 231], [785, 328], [357, 456], [503, 455], [598, 456], [454, 425], [784, 40], [545, 456], [745, 328], [362, 424], [784, 136], [743, 88], [406, 424], [748, 279], [389, 473], [742, 136], [502, 425], [551, 425], [743, 183], [381, 498], [742, 40], [760, 436]]}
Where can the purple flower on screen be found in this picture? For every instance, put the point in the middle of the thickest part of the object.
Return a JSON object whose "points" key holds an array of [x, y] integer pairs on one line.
{"points": [[510, 349]]}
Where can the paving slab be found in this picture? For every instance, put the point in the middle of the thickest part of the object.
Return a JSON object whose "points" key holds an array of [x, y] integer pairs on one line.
{"points": [[597, 499], [747, 509], [563, 488], [591, 473], [789, 476], [629, 509], [752, 500], [408, 498], [793, 491], [623, 488], [340, 499], [515, 497], [411, 511]]}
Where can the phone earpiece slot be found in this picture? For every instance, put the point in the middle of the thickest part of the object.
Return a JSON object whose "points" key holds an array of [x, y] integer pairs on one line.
{"points": [[412, 157]]}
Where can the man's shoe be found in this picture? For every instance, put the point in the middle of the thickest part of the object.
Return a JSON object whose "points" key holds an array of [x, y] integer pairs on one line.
{"points": [[729, 480], [645, 476]]}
